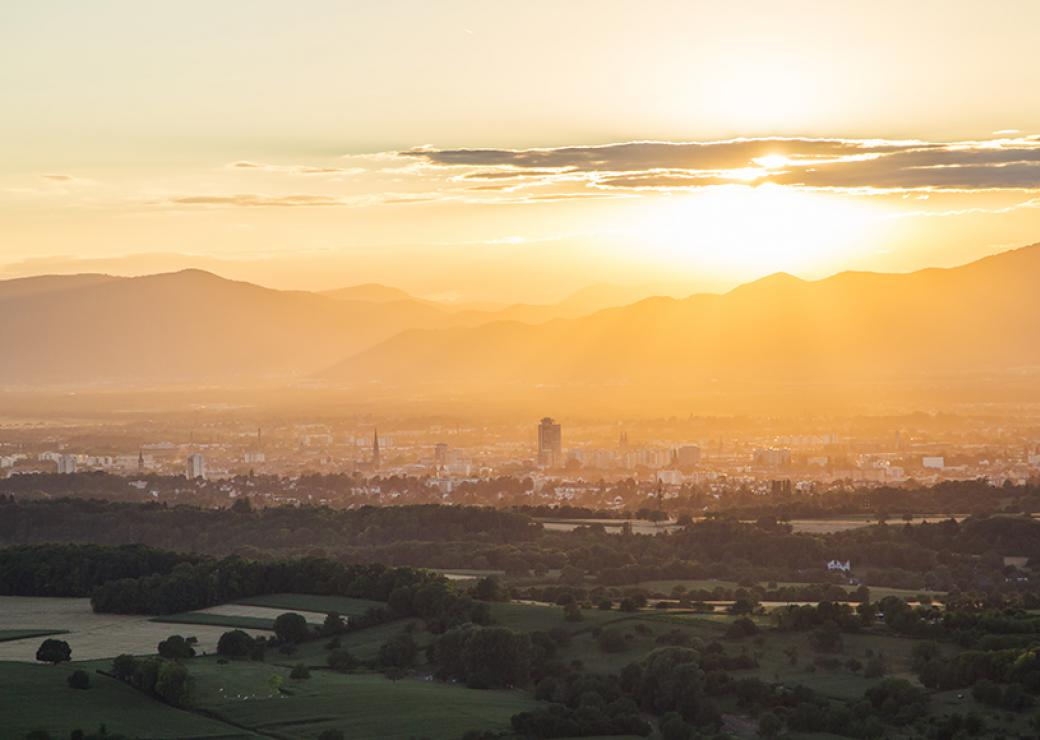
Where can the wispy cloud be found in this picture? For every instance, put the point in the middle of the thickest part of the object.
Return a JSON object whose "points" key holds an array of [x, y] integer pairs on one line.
{"points": [[295, 169], [253, 200]]}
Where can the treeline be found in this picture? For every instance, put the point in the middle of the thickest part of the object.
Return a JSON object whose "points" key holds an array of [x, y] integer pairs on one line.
{"points": [[943, 556], [224, 531], [76, 570]]}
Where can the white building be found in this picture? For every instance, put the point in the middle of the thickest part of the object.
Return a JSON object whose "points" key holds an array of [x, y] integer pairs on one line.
{"points": [[66, 464], [839, 565], [196, 467], [936, 462]]}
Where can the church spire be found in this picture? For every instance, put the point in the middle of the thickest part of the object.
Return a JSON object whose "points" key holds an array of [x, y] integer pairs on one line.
{"points": [[375, 449]]}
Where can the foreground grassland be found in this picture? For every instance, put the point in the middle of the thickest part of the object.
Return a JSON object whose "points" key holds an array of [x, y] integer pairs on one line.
{"points": [[36, 697], [243, 698], [362, 705]]}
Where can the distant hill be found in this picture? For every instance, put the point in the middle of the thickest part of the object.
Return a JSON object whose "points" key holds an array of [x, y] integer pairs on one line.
{"points": [[192, 326], [980, 317], [195, 327], [187, 326], [372, 292]]}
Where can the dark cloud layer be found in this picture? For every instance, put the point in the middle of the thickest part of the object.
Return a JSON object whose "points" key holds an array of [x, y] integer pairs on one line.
{"points": [[805, 162]]}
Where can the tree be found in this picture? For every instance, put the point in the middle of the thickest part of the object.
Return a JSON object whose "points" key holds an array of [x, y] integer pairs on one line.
{"points": [[673, 727], [123, 667], [300, 672], [54, 651], [235, 644], [341, 660], [613, 640], [572, 612], [291, 627], [171, 683], [79, 680], [333, 624], [399, 651], [827, 638], [489, 589], [876, 667], [176, 647], [769, 725], [496, 657]]}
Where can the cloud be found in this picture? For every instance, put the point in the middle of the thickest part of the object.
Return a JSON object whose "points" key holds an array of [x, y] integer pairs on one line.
{"points": [[58, 178], [295, 169], [248, 200], [1008, 162]]}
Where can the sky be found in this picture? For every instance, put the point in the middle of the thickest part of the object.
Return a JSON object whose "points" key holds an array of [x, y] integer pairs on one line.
{"points": [[516, 151]]}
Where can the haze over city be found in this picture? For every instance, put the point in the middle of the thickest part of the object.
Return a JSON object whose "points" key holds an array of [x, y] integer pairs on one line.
{"points": [[515, 370]]}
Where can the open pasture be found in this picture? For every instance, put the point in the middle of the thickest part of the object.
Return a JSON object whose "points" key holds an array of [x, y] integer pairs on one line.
{"points": [[363, 705], [36, 697], [90, 635]]}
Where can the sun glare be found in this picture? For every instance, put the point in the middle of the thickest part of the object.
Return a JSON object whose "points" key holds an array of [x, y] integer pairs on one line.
{"points": [[740, 230]]}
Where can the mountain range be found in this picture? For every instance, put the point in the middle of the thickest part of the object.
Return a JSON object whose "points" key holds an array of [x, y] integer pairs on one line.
{"points": [[195, 327]]}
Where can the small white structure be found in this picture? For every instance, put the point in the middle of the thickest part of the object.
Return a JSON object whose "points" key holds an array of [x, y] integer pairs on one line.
{"points": [[936, 462], [839, 565]]}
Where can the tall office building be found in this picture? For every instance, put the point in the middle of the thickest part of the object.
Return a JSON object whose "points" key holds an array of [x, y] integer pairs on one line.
{"points": [[196, 467], [688, 455], [550, 442], [67, 464]]}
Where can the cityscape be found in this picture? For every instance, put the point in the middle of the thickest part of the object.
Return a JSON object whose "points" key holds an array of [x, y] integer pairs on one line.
{"points": [[520, 370]]}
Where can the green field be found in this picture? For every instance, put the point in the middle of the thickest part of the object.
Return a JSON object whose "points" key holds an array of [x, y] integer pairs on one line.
{"points": [[362, 644], [344, 605], [362, 705], [8, 635], [36, 697], [218, 620], [532, 617]]}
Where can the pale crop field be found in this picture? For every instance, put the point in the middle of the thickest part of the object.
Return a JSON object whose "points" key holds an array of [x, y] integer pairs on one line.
{"points": [[92, 636], [261, 612]]}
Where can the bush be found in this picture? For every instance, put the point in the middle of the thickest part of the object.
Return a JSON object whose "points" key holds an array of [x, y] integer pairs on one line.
{"points": [[398, 652], [613, 640], [742, 627], [176, 647], [79, 680], [876, 668], [291, 627], [300, 672], [235, 644], [54, 651], [341, 660]]}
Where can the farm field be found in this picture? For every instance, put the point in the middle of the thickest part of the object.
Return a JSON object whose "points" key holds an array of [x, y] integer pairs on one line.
{"points": [[238, 616], [89, 635], [362, 705], [301, 603], [363, 644], [36, 697], [8, 635]]}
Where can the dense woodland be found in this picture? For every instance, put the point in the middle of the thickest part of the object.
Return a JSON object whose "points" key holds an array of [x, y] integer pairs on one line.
{"points": [[947, 555]]}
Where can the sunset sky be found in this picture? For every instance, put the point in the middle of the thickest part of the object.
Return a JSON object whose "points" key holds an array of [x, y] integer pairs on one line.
{"points": [[516, 151]]}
